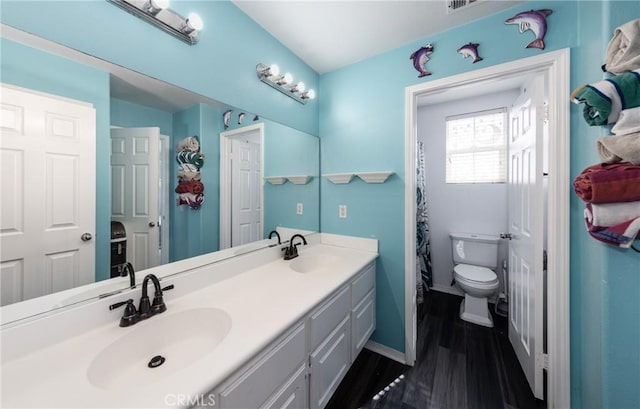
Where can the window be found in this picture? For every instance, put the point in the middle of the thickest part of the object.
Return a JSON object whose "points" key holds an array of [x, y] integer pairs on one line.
{"points": [[477, 147]]}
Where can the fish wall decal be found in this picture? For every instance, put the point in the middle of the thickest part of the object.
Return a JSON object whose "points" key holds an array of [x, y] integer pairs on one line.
{"points": [[420, 58], [225, 118], [470, 50], [241, 116], [534, 20]]}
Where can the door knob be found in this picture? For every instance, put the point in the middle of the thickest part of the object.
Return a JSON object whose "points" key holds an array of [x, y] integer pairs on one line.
{"points": [[152, 224], [86, 237]]}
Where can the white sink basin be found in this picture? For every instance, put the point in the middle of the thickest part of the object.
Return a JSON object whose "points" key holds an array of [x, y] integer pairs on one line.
{"points": [[181, 338], [314, 263]]}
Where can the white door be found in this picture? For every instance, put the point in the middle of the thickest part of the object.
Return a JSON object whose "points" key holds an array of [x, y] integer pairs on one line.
{"points": [[134, 191], [246, 201], [525, 224], [47, 220]]}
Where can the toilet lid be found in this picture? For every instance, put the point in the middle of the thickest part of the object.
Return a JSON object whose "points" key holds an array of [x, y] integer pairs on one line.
{"points": [[475, 273]]}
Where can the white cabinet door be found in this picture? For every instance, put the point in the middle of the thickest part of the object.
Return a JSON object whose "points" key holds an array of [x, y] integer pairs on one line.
{"points": [[363, 323], [255, 385], [294, 394], [329, 363]]}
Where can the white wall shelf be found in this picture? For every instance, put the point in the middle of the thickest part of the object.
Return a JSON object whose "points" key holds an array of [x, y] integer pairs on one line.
{"points": [[276, 180], [296, 180], [368, 177], [374, 177], [339, 178], [299, 180]]}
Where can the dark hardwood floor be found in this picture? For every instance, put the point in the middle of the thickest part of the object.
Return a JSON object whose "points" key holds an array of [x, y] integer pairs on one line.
{"points": [[459, 365]]}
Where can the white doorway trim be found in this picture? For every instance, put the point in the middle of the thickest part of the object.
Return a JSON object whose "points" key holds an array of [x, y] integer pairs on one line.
{"points": [[556, 66], [225, 179]]}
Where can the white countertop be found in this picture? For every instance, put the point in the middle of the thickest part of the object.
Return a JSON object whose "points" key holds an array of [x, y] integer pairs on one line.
{"points": [[262, 302]]}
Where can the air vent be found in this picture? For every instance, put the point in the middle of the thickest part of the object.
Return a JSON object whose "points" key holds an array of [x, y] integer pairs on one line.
{"points": [[456, 5]]}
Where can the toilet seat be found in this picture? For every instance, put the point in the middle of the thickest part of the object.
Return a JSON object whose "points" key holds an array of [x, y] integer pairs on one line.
{"points": [[475, 275]]}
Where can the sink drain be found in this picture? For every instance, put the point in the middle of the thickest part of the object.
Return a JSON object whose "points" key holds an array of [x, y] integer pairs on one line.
{"points": [[156, 361]]}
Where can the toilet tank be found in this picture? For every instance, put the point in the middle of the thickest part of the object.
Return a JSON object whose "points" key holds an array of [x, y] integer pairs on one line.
{"points": [[475, 249]]}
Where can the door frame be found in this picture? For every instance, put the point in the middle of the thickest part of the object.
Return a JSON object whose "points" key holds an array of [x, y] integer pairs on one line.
{"points": [[556, 66], [225, 178]]}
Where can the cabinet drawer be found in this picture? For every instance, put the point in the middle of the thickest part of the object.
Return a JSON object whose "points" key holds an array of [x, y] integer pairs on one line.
{"points": [[329, 363], [328, 316], [265, 377], [363, 322], [293, 394], [363, 284]]}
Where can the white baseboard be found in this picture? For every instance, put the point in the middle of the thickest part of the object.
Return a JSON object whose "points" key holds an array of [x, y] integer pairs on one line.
{"points": [[386, 351]]}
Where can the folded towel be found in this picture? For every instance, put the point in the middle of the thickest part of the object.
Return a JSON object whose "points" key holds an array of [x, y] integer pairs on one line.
{"points": [[192, 200], [190, 186], [190, 144], [188, 175], [622, 235], [193, 158], [622, 148], [609, 183], [611, 214], [629, 122], [623, 51], [604, 100], [188, 167]]}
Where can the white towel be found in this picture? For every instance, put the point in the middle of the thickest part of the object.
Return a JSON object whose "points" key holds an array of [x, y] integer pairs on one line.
{"points": [[188, 175], [619, 148], [190, 144], [628, 122], [623, 51], [612, 214]]}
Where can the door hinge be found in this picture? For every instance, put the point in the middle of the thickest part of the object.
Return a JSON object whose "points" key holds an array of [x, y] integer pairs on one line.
{"points": [[544, 260], [545, 109], [544, 361]]}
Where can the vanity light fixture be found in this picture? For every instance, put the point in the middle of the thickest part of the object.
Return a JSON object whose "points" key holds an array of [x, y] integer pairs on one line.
{"points": [[270, 75], [158, 13]]}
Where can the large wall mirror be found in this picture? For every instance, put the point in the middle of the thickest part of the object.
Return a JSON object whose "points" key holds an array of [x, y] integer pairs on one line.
{"points": [[183, 175]]}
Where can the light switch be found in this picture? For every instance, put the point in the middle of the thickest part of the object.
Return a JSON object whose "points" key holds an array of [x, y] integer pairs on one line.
{"points": [[342, 211], [299, 208]]}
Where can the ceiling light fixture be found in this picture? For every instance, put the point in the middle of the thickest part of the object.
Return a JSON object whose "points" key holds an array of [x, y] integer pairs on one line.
{"points": [[270, 75], [158, 13]]}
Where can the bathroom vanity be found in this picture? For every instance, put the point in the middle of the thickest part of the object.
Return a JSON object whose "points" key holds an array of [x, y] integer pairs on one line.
{"points": [[248, 332]]}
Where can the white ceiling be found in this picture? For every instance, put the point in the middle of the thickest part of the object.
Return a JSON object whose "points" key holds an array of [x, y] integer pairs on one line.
{"points": [[328, 35]]}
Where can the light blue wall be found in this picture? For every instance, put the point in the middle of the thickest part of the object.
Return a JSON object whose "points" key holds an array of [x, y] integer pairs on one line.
{"points": [[362, 128], [221, 66], [22, 66], [126, 114]]}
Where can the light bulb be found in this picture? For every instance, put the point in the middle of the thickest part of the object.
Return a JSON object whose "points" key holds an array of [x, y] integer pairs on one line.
{"points": [[300, 87], [311, 94], [287, 79], [161, 4], [195, 21], [274, 70]]}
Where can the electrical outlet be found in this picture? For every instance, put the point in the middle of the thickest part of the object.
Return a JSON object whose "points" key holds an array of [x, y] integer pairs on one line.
{"points": [[299, 208], [342, 211]]}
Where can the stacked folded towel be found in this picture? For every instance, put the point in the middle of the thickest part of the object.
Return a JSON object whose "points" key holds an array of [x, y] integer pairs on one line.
{"points": [[612, 194], [190, 189]]}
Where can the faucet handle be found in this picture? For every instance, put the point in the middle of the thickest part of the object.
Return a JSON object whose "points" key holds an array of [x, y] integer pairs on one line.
{"points": [[130, 316], [158, 306]]}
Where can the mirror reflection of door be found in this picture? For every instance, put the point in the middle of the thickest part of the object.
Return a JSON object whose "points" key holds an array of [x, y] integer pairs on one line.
{"points": [[47, 147], [246, 202], [241, 204], [139, 193]]}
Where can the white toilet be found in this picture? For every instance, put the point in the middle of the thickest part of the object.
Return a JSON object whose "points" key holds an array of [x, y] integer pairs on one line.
{"points": [[475, 256]]}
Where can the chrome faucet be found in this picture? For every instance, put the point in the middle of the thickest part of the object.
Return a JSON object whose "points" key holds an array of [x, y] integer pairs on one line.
{"points": [[146, 309], [291, 252], [127, 268], [277, 234]]}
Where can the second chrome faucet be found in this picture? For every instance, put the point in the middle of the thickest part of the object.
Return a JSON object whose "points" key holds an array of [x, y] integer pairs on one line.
{"points": [[146, 308]]}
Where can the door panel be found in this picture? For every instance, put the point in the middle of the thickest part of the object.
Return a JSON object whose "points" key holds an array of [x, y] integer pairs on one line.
{"points": [[525, 221], [135, 154], [246, 176], [48, 159]]}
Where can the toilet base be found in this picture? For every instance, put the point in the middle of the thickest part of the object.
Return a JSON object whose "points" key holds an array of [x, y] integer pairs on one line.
{"points": [[476, 311]]}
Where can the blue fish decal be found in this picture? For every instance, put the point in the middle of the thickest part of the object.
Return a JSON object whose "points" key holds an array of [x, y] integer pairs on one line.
{"points": [[470, 50], [534, 20], [420, 58]]}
